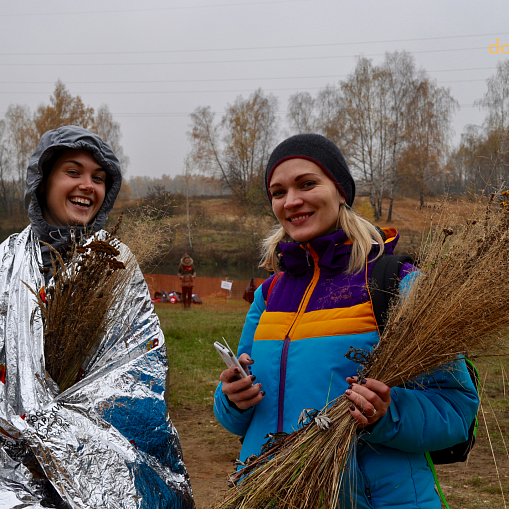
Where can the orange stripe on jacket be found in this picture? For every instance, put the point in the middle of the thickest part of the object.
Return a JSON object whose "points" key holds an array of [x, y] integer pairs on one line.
{"points": [[325, 322], [336, 322], [274, 325]]}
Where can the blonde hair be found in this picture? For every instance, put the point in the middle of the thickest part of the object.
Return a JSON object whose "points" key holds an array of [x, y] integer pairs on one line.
{"points": [[361, 232]]}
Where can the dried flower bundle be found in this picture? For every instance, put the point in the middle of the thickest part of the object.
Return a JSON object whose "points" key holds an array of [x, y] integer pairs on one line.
{"points": [[458, 303], [77, 307]]}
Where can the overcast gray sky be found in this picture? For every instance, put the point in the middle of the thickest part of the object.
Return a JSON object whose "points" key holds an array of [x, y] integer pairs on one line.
{"points": [[154, 62]]}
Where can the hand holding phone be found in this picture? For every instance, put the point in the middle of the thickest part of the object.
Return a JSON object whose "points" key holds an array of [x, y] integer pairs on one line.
{"points": [[229, 357]]}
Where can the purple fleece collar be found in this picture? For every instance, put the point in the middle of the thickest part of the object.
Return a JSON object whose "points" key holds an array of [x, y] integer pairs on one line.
{"points": [[332, 252]]}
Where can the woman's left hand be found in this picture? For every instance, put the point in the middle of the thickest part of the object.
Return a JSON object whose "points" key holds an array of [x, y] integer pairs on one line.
{"points": [[370, 399]]}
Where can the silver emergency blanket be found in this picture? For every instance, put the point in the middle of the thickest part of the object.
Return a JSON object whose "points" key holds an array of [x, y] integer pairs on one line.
{"points": [[107, 441]]}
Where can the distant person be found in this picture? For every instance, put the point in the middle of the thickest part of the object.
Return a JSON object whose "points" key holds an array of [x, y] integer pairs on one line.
{"points": [[250, 291], [187, 273]]}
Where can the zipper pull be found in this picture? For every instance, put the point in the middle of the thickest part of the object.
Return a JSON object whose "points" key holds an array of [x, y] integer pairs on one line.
{"points": [[307, 255]]}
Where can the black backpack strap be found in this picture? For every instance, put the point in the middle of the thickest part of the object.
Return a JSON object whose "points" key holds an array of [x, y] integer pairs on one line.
{"points": [[384, 285]]}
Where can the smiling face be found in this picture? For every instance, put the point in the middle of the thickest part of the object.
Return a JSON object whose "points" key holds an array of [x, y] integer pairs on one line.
{"points": [[304, 199], [74, 189]]}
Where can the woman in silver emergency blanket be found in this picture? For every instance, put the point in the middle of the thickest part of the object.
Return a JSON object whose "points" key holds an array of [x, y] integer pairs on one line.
{"points": [[107, 441]]}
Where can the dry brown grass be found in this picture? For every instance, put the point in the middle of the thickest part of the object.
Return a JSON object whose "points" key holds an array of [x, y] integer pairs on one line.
{"points": [[149, 232], [458, 304]]}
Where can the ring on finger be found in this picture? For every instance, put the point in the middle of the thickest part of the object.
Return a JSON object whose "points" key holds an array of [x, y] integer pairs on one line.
{"points": [[373, 415]]}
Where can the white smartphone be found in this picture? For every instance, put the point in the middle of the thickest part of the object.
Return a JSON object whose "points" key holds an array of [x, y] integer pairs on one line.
{"points": [[229, 357]]}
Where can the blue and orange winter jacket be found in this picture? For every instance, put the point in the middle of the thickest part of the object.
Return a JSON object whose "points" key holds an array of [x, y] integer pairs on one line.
{"points": [[298, 339]]}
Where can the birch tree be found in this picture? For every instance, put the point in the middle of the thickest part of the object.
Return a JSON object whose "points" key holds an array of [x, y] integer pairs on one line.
{"points": [[109, 130], [400, 76], [367, 129], [428, 125], [301, 115], [496, 98], [22, 140], [236, 150]]}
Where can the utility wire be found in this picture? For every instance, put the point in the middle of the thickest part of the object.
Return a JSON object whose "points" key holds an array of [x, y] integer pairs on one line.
{"points": [[300, 46], [155, 9], [110, 64], [215, 80], [222, 91]]}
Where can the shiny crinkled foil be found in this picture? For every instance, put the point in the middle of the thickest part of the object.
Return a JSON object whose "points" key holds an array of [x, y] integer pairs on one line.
{"points": [[107, 441]]}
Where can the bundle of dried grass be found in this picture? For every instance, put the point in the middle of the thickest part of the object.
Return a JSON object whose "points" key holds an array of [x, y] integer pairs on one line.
{"points": [[77, 307], [459, 303]]}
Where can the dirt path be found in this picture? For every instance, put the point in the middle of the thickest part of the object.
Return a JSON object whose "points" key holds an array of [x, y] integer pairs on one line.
{"points": [[208, 451]]}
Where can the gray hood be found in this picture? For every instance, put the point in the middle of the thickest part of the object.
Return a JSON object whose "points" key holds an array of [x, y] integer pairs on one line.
{"points": [[59, 139]]}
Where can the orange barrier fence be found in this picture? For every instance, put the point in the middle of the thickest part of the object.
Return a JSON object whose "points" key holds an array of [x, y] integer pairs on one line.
{"points": [[203, 286]]}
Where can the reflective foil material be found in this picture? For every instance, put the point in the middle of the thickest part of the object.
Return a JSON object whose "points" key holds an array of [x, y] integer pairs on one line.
{"points": [[106, 441]]}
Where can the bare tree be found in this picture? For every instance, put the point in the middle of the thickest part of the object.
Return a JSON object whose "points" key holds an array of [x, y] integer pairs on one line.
{"points": [[5, 169], [206, 152], [400, 75], [428, 123], [330, 115], [109, 130], [496, 98], [367, 124], [21, 141], [237, 149], [323, 114], [301, 114], [187, 179], [481, 162]]}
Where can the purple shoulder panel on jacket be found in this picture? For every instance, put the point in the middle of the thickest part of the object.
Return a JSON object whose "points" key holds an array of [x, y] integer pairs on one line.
{"points": [[266, 285], [334, 289]]}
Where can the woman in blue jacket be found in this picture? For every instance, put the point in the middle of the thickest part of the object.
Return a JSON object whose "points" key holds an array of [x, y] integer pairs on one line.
{"points": [[303, 321]]}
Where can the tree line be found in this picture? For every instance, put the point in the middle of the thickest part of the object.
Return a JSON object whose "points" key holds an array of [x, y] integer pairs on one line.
{"points": [[392, 122], [481, 161], [193, 184], [21, 130]]}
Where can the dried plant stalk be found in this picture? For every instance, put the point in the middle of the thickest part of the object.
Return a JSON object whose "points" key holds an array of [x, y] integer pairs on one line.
{"points": [[77, 307], [149, 231], [458, 303]]}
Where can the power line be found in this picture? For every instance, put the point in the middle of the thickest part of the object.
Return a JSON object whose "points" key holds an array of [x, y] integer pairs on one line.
{"points": [[110, 64], [324, 45], [155, 9], [215, 80], [222, 91]]}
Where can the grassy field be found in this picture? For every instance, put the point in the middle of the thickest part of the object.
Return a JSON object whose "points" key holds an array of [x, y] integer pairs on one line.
{"points": [[483, 481], [190, 335], [195, 367]]}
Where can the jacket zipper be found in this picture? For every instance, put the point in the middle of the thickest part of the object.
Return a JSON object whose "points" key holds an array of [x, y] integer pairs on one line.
{"points": [[367, 489], [282, 383], [286, 345]]}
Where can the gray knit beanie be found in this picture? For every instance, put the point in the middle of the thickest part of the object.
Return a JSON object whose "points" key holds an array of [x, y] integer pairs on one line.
{"points": [[319, 150]]}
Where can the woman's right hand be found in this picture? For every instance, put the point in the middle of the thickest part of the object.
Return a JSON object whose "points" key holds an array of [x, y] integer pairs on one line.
{"points": [[241, 391]]}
